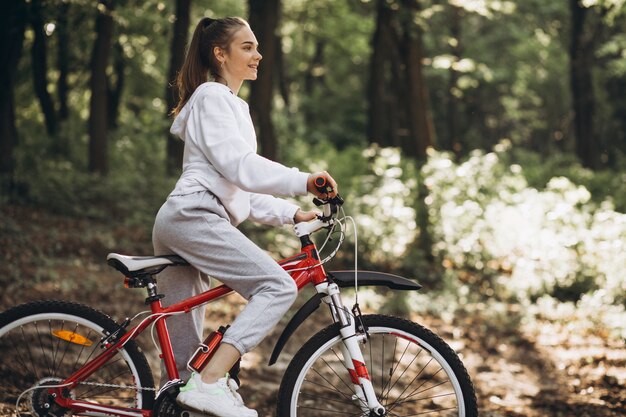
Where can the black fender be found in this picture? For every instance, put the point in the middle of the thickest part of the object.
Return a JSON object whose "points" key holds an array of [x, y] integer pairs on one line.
{"points": [[343, 279]]}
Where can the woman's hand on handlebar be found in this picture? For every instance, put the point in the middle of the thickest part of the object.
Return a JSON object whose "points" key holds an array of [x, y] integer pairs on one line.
{"points": [[322, 185], [304, 216]]}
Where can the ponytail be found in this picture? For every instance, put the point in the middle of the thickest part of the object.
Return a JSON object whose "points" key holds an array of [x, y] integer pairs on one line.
{"points": [[201, 61]]}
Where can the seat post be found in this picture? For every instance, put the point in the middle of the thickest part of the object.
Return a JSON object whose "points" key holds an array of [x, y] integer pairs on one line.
{"points": [[151, 287]]}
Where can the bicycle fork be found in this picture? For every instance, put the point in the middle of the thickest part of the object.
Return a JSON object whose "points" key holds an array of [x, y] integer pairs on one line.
{"points": [[352, 356]]}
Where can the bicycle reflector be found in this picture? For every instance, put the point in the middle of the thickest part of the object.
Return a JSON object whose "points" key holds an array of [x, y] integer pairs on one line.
{"points": [[72, 337]]}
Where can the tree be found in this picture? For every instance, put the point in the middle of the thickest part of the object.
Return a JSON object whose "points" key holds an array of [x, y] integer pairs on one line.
{"points": [[63, 58], [453, 140], [12, 26], [264, 16], [421, 130], [581, 66], [378, 130], [40, 68], [177, 56], [98, 104], [115, 85], [399, 106]]}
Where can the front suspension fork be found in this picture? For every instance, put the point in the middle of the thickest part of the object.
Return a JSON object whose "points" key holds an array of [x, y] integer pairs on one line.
{"points": [[352, 356]]}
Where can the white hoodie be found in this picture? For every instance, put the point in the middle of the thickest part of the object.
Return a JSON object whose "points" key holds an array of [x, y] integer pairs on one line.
{"points": [[220, 156]]}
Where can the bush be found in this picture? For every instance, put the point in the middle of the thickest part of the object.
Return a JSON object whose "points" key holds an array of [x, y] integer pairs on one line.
{"points": [[521, 243]]}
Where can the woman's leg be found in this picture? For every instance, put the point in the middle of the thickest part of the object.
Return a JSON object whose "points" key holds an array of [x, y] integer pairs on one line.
{"points": [[197, 229], [177, 284]]}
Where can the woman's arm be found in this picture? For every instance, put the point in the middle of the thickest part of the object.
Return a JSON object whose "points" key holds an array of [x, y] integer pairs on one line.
{"points": [[217, 134]]}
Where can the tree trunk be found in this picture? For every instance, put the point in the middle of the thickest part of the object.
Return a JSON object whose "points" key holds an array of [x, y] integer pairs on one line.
{"points": [[581, 65], [453, 141], [12, 27], [98, 104], [378, 130], [177, 56], [283, 80], [264, 16], [414, 92], [114, 92], [422, 133], [313, 78], [40, 69], [397, 93], [63, 58]]}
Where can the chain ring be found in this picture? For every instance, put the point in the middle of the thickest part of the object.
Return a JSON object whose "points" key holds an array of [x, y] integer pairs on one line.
{"points": [[165, 404]]}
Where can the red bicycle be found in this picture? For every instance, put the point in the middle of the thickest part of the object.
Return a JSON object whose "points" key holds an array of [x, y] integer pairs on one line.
{"points": [[61, 358]]}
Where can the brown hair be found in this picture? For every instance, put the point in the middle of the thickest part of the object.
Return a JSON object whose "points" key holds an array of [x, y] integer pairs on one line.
{"points": [[200, 59]]}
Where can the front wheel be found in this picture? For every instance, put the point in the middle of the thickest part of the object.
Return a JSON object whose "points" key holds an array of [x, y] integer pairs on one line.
{"points": [[413, 371], [42, 343]]}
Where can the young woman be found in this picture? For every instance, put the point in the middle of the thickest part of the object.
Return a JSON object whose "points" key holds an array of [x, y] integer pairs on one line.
{"points": [[224, 181]]}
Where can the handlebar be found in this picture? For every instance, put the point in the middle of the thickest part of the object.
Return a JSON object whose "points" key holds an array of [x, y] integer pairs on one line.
{"points": [[330, 204], [330, 208], [322, 185]]}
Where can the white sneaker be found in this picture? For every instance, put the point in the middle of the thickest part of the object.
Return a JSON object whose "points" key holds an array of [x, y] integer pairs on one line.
{"points": [[218, 398], [232, 384]]}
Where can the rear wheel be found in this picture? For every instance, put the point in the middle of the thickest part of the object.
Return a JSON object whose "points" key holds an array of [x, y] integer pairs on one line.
{"points": [[413, 371], [42, 343]]}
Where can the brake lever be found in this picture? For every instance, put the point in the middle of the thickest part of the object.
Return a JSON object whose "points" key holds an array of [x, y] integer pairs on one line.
{"points": [[330, 207], [337, 201]]}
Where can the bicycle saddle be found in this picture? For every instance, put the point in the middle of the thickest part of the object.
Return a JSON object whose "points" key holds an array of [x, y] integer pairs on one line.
{"points": [[134, 266]]}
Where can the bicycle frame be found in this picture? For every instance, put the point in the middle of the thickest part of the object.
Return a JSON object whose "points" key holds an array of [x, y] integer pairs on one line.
{"points": [[304, 267]]}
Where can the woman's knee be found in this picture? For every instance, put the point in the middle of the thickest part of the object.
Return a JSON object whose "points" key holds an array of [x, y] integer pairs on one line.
{"points": [[292, 290], [286, 287]]}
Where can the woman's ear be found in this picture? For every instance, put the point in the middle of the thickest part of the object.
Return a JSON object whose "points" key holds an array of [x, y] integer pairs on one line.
{"points": [[219, 54]]}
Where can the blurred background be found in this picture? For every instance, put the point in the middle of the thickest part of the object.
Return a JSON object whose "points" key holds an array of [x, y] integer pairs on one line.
{"points": [[480, 146]]}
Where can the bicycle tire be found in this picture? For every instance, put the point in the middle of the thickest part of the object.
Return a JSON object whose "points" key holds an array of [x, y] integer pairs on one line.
{"points": [[43, 342], [405, 362]]}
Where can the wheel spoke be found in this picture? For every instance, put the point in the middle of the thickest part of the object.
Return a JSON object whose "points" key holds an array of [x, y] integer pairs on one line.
{"points": [[417, 376], [37, 351], [422, 413], [325, 410]]}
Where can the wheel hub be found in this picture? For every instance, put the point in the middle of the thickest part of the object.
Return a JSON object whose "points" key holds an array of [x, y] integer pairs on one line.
{"points": [[380, 412], [41, 403]]}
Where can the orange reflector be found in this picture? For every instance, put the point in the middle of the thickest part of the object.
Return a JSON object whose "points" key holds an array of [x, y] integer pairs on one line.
{"points": [[72, 337]]}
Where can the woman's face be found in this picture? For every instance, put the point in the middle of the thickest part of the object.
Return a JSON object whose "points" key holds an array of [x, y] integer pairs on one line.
{"points": [[241, 60]]}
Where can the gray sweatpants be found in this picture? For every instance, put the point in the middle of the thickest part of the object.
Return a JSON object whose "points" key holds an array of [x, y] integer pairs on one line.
{"points": [[197, 228]]}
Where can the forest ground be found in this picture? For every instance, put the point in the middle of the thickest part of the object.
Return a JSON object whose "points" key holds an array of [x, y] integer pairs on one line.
{"points": [[535, 368]]}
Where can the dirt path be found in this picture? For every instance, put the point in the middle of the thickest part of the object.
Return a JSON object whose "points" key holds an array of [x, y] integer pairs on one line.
{"points": [[519, 368]]}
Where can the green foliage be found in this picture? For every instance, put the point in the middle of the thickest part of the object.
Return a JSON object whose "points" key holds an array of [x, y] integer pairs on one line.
{"points": [[506, 239], [326, 47], [133, 190], [604, 185]]}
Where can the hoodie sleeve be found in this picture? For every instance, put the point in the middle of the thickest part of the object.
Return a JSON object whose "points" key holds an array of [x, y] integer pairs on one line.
{"points": [[219, 138], [270, 210]]}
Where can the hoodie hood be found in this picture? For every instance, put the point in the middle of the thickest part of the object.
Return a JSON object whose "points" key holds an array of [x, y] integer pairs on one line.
{"points": [[180, 121]]}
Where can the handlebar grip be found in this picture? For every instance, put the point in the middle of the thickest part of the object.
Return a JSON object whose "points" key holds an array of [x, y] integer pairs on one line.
{"points": [[322, 185]]}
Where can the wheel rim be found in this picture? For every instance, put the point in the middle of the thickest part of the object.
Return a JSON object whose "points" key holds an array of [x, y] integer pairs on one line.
{"points": [[51, 346], [422, 382]]}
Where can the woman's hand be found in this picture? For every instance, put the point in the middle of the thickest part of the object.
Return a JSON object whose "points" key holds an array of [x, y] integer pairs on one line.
{"points": [[304, 216], [310, 185]]}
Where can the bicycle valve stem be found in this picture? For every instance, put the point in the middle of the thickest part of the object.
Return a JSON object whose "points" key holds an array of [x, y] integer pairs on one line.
{"points": [[205, 351]]}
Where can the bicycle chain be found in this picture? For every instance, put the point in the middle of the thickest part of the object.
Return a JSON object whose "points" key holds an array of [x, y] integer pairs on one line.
{"points": [[96, 384]]}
